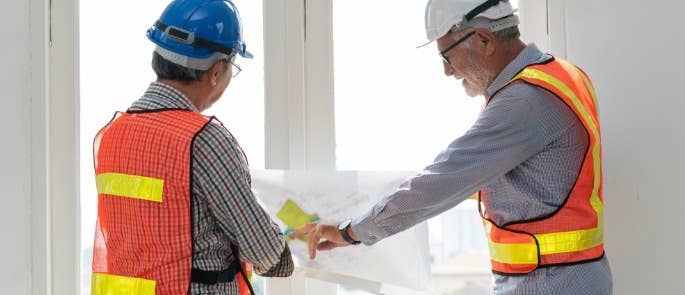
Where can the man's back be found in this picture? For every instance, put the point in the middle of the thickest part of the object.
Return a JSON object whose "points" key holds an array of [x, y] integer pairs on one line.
{"points": [[549, 143], [203, 181], [224, 210]]}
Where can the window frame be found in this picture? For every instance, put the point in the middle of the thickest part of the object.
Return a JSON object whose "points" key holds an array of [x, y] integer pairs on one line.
{"points": [[54, 200], [299, 108]]}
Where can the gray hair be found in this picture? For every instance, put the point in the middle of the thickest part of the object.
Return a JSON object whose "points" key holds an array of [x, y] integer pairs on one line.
{"points": [[508, 35], [168, 70]]}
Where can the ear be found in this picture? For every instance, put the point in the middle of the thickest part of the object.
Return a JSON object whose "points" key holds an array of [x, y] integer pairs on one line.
{"points": [[212, 75], [485, 41]]}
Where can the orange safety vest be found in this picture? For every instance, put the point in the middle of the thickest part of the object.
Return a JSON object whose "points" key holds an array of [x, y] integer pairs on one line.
{"points": [[143, 239], [574, 233]]}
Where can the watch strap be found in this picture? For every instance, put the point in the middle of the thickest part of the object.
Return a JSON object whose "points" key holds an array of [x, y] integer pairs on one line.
{"points": [[346, 236]]}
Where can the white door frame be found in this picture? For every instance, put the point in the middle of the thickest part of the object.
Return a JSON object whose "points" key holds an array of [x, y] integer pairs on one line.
{"points": [[299, 108], [54, 147]]}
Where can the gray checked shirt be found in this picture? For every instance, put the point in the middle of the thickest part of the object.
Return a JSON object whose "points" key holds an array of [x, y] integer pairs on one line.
{"points": [[526, 148]]}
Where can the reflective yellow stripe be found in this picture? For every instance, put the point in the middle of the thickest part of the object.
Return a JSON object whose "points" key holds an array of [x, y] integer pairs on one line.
{"points": [[105, 284], [570, 241], [514, 253], [523, 253], [553, 243], [130, 186]]}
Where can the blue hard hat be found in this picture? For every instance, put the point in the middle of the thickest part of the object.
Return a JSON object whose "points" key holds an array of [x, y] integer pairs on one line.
{"points": [[199, 29]]}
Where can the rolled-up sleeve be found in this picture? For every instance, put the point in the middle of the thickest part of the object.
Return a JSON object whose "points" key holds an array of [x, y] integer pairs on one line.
{"points": [[505, 135]]}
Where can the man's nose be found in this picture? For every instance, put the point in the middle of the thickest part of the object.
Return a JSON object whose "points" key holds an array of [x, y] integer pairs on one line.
{"points": [[448, 69]]}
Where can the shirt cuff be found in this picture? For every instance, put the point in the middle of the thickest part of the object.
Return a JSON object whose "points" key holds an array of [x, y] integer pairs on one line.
{"points": [[285, 266], [367, 231]]}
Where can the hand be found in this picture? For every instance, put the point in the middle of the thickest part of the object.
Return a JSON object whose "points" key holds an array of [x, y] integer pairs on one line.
{"points": [[318, 231]]}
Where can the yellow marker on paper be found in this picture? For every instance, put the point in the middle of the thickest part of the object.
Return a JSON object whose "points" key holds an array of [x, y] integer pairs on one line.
{"points": [[294, 217]]}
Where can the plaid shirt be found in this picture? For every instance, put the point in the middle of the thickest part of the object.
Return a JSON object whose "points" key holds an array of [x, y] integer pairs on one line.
{"points": [[224, 209]]}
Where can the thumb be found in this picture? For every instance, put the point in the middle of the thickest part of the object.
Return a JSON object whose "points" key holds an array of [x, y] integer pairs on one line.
{"points": [[327, 245]]}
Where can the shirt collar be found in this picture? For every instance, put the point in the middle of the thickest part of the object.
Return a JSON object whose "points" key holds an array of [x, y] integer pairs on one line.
{"points": [[530, 55], [163, 96]]}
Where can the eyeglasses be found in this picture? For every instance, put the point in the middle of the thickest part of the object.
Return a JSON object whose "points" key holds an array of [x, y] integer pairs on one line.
{"points": [[237, 69], [443, 54], [230, 60]]}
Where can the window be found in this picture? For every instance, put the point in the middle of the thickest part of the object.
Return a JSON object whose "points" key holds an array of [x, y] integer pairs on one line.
{"points": [[115, 70], [394, 108]]}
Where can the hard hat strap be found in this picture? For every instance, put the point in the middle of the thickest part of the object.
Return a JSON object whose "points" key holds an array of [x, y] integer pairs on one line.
{"points": [[201, 64], [480, 9], [183, 36]]}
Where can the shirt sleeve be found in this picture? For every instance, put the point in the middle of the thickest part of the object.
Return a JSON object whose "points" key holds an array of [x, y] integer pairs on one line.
{"points": [[507, 133], [226, 178]]}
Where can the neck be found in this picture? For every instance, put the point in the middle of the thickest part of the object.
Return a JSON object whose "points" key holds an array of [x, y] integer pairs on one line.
{"points": [[190, 90], [502, 59], [510, 52]]}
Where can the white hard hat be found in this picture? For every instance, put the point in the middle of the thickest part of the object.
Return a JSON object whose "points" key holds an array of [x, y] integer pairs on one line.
{"points": [[443, 15]]}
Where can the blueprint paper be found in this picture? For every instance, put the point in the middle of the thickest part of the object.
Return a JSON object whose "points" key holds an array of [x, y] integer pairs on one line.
{"points": [[295, 197]]}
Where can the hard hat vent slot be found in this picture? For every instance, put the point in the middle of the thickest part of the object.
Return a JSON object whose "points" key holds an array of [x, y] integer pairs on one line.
{"points": [[180, 35]]}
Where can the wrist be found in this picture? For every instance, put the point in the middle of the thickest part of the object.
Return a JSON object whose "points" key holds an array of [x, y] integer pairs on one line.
{"points": [[351, 233], [347, 234]]}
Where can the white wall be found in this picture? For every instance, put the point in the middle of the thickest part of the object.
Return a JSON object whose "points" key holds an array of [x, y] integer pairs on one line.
{"points": [[633, 50], [15, 173], [39, 155]]}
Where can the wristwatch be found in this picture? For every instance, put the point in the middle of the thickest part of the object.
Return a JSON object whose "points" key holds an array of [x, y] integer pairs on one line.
{"points": [[342, 228]]}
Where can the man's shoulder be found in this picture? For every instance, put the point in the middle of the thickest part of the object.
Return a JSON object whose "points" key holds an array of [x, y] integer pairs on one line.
{"points": [[520, 101], [522, 92], [534, 100], [215, 132]]}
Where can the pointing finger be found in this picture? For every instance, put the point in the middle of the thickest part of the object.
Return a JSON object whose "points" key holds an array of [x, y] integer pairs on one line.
{"points": [[302, 231], [314, 236]]}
